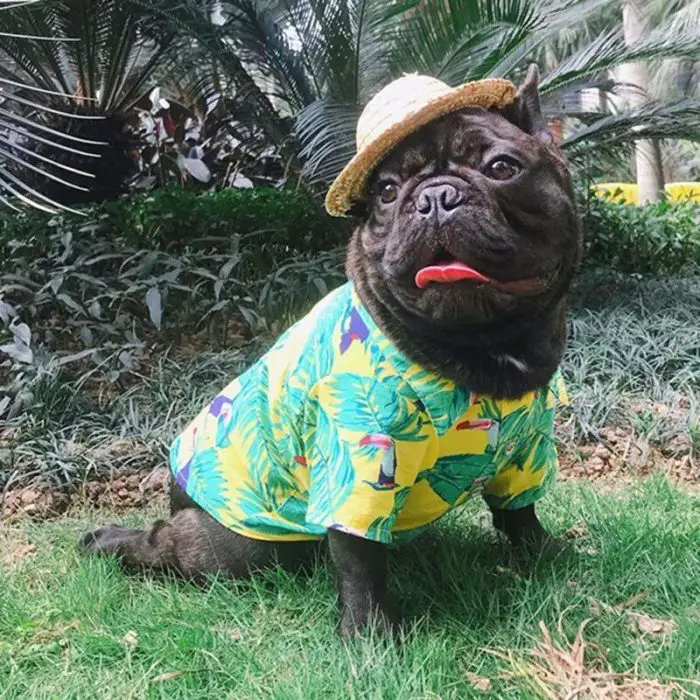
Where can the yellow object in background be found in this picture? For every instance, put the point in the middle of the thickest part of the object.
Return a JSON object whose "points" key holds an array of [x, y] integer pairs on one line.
{"points": [[627, 191], [682, 191]]}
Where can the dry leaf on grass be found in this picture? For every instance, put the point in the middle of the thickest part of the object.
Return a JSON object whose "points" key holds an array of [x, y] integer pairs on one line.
{"points": [[649, 625], [168, 676], [131, 639], [575, 532], [233, 633], [639, 622], [633, 600], [560, 671], [504, 570], [12, 557], [480, 683]]}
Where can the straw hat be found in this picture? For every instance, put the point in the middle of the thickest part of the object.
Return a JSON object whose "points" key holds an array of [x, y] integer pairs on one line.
{"points": [[399, 109]]}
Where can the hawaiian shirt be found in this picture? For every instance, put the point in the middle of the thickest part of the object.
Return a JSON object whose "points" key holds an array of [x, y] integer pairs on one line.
{"points": [[336, 428]]}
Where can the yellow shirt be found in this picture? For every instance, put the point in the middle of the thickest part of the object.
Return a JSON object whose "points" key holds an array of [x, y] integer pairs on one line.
{"points": [[335, 428]]}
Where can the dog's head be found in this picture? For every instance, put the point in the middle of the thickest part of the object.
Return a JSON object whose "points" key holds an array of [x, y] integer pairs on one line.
{"points": [[470, 220]]}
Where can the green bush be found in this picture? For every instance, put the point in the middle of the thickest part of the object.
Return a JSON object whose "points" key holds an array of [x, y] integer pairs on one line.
{"points": [[650, 239], [89, 296], [171, 219]]}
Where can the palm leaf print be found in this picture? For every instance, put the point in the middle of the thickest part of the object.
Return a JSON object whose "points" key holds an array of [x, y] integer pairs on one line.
{"points": [[380, 528], [447, 402], [206, 483], [270, 477], [542, 454], [332, 474], [453, 404], [489, 408], [362, 404], [453, 475], [325, 350], [385, 373], [293, 509], [527, 497], [515, 431]]}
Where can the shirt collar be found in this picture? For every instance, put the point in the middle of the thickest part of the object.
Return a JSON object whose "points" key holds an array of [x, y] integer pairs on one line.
{"points": [[442, 399]]}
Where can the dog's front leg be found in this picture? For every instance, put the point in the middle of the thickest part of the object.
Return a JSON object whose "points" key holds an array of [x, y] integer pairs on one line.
{"points": [[523, 528], [361, 571]]}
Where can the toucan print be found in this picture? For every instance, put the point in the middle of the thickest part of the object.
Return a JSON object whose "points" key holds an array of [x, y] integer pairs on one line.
{"points": [[352, 328], [387, 468], [490, 426]]}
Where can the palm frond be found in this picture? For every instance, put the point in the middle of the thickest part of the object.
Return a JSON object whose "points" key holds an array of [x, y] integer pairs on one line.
{"points": [[650, 121], [609, 50], [16, 128], [459, 40], [326, 131], [90, 62]]}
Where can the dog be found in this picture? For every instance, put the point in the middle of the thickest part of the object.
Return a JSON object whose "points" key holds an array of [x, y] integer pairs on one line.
{"points": [[430, 377]]}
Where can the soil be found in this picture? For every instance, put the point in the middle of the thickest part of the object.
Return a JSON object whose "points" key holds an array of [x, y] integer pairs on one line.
{"points": [[619, 459], [131, 489]]}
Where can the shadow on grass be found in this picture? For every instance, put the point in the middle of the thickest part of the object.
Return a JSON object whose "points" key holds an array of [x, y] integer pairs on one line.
{"points": [[452, 575]]}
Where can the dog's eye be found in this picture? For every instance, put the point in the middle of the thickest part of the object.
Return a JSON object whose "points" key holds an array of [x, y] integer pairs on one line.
{"points": [[502, 169], [388, 192]]}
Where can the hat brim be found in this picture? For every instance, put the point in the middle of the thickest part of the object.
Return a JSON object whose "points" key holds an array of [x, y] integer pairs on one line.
{"points": [[349, 186]]}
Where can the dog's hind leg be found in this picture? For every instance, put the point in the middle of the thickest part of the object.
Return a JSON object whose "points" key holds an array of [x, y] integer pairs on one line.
{"points": [[193, 544]]}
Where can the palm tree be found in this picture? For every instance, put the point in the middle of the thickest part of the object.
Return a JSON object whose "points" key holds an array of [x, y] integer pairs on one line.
{"points": [[325, 57], [71, 71], [298, 72]]}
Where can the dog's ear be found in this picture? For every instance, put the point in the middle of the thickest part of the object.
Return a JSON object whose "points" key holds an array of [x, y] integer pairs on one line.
{"points": [[525, 110]]}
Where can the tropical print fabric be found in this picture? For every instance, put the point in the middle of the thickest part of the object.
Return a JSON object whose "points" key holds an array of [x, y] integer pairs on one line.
{"points": [[335, 428]]}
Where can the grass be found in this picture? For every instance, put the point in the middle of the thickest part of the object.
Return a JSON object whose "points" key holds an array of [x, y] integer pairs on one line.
{"points": [[75, 628]]}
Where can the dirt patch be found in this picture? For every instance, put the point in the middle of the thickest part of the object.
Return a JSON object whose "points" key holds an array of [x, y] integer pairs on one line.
{"points": [[623, 457], [133, 489]]}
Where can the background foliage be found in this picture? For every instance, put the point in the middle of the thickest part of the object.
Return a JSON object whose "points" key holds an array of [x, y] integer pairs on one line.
{"points": [[215, 93]]}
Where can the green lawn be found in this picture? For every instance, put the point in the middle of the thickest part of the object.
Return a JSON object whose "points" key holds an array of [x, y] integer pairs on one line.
{"points": [[74, 628]]}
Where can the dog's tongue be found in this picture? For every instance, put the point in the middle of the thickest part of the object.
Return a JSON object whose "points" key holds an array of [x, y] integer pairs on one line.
{"points": [[448, 272]]}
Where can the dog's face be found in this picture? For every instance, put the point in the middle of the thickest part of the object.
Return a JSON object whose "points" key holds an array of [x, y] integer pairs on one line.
{"points": [[471, 219]]}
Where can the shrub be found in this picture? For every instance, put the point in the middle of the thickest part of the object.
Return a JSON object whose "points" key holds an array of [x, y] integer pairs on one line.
{"points": [[171, 219], [89, 296], [649, 239]]}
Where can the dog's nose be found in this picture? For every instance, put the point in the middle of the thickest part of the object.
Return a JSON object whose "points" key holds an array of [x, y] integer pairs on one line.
{"points": [[439, 201]]}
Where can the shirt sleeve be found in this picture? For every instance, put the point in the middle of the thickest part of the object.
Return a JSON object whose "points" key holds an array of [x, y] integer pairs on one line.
{"points": [[364, 446], [524, 475]]}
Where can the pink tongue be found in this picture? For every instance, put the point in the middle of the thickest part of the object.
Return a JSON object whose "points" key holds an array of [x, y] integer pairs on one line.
{"points": [[447, 272]]}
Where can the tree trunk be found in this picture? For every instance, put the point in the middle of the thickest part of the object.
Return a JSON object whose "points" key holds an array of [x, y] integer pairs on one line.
{"points": [[635, 79]]}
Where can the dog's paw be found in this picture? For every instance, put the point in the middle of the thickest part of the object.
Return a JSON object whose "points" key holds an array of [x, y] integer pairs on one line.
{"points": [[543, 547], [378, 622], [105, 540]]}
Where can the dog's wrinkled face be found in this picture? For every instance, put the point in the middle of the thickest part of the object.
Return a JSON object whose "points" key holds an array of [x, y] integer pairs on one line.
{"points": [[470, 220]]}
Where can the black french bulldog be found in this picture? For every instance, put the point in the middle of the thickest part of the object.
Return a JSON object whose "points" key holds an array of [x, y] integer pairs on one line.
{"points": [[487, 188]]}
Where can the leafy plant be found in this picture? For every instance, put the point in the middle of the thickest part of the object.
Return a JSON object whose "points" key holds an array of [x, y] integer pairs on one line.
{"points": [[74, 70], [650, 239], [90, 296]]}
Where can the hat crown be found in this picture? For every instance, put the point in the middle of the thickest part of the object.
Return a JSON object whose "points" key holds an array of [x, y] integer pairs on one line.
{"points": [[394, 102]]}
